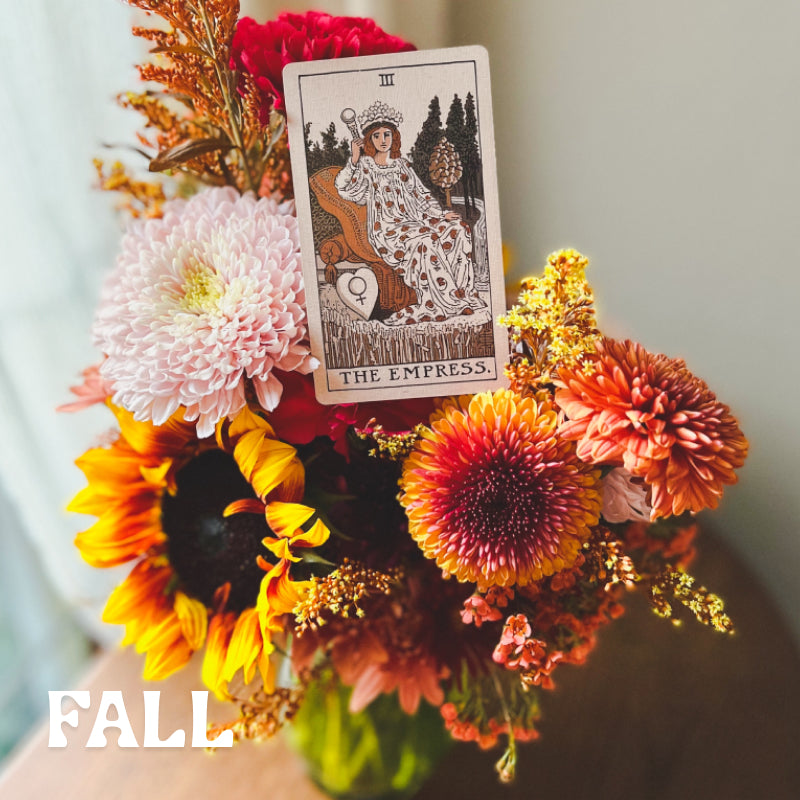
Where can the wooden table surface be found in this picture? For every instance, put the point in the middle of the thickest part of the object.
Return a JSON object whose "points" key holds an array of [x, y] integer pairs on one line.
{"points": [[658, 713]]}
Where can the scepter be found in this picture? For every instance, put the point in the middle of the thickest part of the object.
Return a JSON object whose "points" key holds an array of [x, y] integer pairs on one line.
{"points": [[348, 116]]}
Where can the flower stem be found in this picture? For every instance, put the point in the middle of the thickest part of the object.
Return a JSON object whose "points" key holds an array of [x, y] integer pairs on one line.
{"points": [[507, 765], [235, 130]]}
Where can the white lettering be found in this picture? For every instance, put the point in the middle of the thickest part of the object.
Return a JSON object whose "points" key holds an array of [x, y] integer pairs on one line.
{"points": [[58, 717], [151, 738], [97, 737], [200, 724]]}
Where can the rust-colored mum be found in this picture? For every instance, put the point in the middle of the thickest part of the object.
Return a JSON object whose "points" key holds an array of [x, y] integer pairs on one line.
{"points": [[495, 495], [650, 414]]}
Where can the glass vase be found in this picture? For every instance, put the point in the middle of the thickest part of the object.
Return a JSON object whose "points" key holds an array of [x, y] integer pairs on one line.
{"points": [[380, 752]]}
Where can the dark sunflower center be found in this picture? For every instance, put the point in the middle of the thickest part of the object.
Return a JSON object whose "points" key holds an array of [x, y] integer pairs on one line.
{"points": [[498, 502], [205, 549]]}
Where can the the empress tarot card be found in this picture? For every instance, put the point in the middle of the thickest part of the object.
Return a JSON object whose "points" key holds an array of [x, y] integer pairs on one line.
{"points": [[396, 189]]}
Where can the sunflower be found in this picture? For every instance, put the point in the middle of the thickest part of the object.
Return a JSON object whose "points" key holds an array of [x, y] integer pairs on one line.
{"points": [[213, 526], [495, 495]]}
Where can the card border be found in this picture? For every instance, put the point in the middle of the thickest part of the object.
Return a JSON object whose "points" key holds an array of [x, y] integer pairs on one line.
{"points": [[293, 74]]}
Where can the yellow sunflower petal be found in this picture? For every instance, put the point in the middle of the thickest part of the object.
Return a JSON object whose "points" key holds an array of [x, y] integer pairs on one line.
{"points": [[162, 635], [316, 535], [141, 590], [134, 628], [294, 481], [219, 634], [279, 548], [89, 500], [157, 475], [106, 468], [116, 538], [264, 462], [246, 648], [149, 439], [193, 618], [104, 545], [160, 664], [267, 670], [246, 420], [278, 595], [247, 451], [286, 518], [249, 505]]}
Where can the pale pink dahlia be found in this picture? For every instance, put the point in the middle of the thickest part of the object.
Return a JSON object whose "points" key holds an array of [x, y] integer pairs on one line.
{"points": [[624, 500], [201, 300]]}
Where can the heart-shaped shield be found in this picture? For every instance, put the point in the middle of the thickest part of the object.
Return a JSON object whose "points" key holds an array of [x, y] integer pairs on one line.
{"points": [[358, 290]]}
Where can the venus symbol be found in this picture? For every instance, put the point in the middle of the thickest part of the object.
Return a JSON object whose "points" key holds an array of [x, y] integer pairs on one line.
{"points": [[358, 290], [357, 286]]}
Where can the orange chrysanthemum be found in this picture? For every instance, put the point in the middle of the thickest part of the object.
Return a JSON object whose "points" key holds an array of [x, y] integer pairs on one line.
{"points": [[495, 495], [650, 414], [182, 509]]}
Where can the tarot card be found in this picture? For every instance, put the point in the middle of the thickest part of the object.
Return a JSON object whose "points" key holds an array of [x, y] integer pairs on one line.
{"points": [[396, 189]]}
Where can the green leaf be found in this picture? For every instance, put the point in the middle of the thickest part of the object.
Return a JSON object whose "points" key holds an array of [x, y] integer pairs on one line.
{"points": [[311, 557]]}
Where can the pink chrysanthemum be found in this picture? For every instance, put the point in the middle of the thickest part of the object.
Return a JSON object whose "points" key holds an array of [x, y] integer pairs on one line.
{"points": [[648, 413], [201, 300], [495, 495]]}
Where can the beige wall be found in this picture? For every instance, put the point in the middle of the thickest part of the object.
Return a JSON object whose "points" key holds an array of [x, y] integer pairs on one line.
{"points": [[662, 140], [424, 22]]}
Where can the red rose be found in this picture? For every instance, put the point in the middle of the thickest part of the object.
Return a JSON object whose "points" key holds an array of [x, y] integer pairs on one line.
{"points": [[264, 50], [299, 418]]}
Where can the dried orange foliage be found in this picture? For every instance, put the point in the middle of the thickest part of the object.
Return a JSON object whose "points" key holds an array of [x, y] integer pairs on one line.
{"points": [[277, 176], [139, 198], [339, 593], [204, 120], [264, 713], [606, 561]]}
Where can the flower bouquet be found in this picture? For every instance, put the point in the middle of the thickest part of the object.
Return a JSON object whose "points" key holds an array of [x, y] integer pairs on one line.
{"points": [[410, 571]]}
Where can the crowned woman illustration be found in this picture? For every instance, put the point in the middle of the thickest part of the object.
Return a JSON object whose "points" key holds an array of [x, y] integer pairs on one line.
{"points": [[430, 248]]}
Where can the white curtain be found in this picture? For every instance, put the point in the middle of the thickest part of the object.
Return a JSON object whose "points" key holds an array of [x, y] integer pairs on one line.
{"points": [[41, 647], [62, 64]]}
